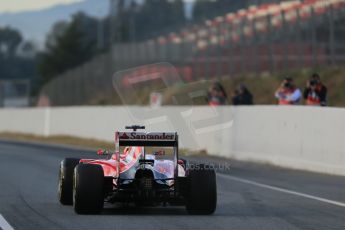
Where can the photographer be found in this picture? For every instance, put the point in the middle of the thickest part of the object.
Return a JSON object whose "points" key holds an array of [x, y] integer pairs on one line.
{"points": [[315, 93], [287, 93]]}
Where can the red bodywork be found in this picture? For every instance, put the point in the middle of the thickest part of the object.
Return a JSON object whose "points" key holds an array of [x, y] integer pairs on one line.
{"points": [[128, 158]]}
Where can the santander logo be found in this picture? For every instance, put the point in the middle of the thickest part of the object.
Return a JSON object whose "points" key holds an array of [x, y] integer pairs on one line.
{"points": [[147, 136]]}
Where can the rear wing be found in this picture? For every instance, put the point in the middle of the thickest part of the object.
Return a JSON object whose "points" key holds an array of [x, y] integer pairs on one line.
{"points": [[163, 139], [160, 139]]}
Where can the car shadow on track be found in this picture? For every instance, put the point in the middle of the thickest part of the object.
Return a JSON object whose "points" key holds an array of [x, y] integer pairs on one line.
{"points": [[132, 210], [153, 211]]}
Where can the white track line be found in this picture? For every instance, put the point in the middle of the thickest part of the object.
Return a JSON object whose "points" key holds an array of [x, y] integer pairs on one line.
{"points": [[337, 203], [4, 225]]}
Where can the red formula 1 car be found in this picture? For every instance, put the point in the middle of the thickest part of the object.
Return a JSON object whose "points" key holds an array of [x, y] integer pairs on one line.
{"points": [[132, 175]]}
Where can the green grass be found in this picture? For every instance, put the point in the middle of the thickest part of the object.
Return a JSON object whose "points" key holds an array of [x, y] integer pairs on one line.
{"points": [[78, 142], [61, 139], [262, 87]]}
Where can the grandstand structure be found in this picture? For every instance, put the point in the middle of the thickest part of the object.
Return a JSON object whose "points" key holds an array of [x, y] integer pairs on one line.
{"points": [[271, 37]]}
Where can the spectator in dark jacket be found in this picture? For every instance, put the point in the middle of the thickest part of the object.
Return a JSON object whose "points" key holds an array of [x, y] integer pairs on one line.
{"points": [[242, 96], [315, 93]]}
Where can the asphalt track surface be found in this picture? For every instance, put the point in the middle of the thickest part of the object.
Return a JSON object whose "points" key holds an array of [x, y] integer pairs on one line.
{"points": [[250, 196]]}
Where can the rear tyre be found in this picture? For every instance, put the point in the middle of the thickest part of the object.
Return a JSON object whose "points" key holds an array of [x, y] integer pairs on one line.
{"points": [[65, 187], [88, 189], [201, 196]]}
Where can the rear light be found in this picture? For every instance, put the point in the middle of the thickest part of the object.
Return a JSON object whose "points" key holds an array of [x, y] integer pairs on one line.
{"points": [[147, 183]]}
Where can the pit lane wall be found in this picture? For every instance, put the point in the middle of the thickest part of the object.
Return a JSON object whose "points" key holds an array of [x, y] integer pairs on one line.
{"points": [[298, 137]]}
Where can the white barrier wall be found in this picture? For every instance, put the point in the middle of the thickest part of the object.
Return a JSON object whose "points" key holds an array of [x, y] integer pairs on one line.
{"points": [[299, 137], [23, 120], [309, 138]]}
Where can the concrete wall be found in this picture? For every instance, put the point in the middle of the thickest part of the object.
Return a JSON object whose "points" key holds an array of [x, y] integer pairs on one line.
{"points": [[297, 137], [293, 136], [23, 120]]}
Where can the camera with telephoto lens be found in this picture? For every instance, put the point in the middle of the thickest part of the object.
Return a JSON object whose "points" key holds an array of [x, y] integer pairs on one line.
{"points": [[287, 85], [312, 83]]}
